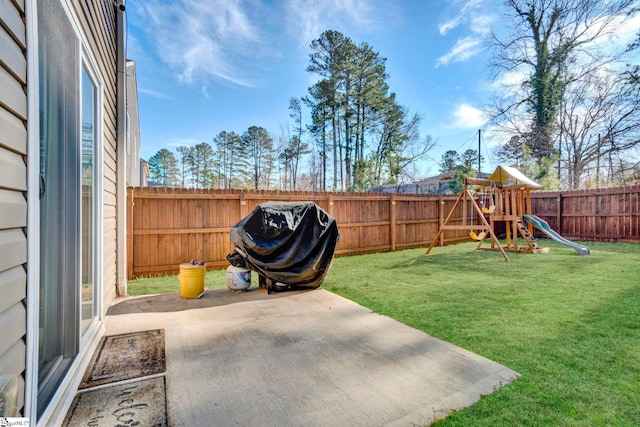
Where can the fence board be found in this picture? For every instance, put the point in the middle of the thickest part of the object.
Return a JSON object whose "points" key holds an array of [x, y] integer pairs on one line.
{"points": [[167, 227], [610, 214]]}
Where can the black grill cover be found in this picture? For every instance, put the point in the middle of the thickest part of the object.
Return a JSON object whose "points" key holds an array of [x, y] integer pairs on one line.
{"points": [[291, 243]]}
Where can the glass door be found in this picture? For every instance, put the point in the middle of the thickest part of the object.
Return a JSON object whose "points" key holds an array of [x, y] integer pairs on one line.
{"points": [[60, 174], [88, 181]]}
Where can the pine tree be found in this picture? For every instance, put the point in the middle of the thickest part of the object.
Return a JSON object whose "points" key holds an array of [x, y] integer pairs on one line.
{"points": [[231, 157], [258, 144], [163, 168]]}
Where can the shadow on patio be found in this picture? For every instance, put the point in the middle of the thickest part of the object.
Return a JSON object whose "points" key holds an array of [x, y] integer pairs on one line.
{"points": [[302, 358]]}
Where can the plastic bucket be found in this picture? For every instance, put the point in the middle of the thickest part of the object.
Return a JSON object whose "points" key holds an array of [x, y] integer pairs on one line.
{"points": [[238, 279], [191, 281]]}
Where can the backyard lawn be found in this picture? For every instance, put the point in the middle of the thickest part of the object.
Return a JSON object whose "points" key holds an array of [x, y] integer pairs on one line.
{"points": [[569, 324]]}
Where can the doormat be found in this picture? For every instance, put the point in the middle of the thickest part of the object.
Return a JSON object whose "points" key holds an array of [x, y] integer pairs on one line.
{"points": [[136, 403], [125, 356]]}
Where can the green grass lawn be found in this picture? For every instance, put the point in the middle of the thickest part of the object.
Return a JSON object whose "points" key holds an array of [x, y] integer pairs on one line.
{"points": [[569, 324], [216, 279]]}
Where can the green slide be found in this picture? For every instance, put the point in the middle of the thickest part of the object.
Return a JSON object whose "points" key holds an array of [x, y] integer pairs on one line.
{"points": [[543, 226]]}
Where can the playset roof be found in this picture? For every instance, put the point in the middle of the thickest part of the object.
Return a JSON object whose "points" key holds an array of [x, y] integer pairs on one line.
{"points": [[509, 176]]}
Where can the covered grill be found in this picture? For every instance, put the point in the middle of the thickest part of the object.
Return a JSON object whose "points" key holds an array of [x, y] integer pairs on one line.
{"points": [[287, 243]]}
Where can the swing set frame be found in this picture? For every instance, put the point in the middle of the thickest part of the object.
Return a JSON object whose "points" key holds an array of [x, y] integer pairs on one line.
{"points": [[485, 227], [508, 204]]}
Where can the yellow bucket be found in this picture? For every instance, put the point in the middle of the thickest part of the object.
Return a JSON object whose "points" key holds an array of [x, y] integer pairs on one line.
{"points": [[191, 280]]}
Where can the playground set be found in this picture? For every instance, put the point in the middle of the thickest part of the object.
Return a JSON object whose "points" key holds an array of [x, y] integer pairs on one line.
{"points": [[505, 196]]}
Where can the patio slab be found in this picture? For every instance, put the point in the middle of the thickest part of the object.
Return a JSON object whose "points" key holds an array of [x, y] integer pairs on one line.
{"points": [[307, 358]]}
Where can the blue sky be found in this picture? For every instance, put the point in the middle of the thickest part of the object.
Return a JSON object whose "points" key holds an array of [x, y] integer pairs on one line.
{"points": [[205, 66]]}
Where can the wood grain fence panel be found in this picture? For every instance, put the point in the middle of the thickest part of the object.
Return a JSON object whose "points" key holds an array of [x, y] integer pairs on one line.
{"points": [[623, 220], [413, 218], [602, 222], [569, 210], [601, 214], [589, 205], [634, 212], [170, 226], [164, 222], [547, 206]]}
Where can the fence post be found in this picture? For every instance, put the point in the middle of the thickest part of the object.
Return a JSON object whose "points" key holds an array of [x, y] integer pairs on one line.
{"points": [[392, 221], [440, 218], [130, 236], [559, 212]]}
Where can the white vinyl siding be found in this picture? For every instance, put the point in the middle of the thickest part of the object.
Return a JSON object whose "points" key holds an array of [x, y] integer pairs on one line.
{"points": [[13, 133], [97, 23]]}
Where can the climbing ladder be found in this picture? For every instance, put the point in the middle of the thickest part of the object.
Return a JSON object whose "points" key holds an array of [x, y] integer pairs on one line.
{"points": [[524, 231]]}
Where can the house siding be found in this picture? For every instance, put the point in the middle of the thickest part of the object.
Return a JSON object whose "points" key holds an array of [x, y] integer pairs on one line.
{"points": [[13, 187], [134, 170], [97, 21]]}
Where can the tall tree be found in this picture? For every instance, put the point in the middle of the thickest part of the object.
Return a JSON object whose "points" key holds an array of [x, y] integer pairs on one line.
{"points": [[184, 161], [601, 121], [512, 152], [319, 102], [351, 104], [326, 60], [202, 165], [450, 160], [163, 168], [285, 157], [259, 145], [459, 166], [390, 135], [469, 158], [399, 146], [232, 158], [553, 44], [633, 69], [297, 148], [370, 100]]}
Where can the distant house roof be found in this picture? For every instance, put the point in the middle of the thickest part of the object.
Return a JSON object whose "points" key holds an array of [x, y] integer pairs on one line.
{"points": [[438, 184], [432, 185], [436, 178]]}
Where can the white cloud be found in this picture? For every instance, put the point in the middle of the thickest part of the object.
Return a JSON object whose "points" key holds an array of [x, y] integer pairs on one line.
{"points": [[466, 116], [307, 19], [153, 93], [449, 25], [470, 13], [512, 79], [622, 31], [463, 49], [481, 24], [461, 14], [202, 39]]}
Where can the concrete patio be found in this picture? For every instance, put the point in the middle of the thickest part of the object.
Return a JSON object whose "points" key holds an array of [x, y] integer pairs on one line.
{"points": [[299, 358]]}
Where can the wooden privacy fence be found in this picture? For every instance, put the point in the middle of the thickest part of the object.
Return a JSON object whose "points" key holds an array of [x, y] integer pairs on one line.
{"points": [[166, 227], [610, 214]]}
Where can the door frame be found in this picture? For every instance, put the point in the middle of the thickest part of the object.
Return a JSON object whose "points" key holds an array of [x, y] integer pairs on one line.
{"points": [[62, 398]]}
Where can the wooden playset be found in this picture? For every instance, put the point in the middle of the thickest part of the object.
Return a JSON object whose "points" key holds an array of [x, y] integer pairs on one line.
{"points": [[505, 196]]}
